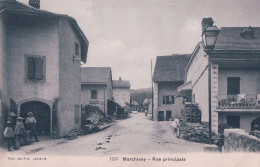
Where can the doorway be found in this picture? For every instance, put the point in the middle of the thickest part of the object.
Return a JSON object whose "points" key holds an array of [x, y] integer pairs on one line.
{"points": [[160, 115], [233, 121], [41, 112], [168, 115], [255, 125]]}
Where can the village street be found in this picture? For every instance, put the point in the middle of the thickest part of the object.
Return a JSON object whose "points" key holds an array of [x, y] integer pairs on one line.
{"points": [[135, 135]]}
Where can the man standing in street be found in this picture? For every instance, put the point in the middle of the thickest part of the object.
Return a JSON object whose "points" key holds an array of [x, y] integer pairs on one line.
{"points": [[31, 124]]}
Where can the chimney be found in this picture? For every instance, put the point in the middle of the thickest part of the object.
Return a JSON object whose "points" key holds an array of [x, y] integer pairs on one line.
{"points": [[120, 79], [206, 22], [35, 3]]}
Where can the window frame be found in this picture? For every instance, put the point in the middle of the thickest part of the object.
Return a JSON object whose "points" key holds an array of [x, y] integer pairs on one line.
{"points": [[26, 70], [168, 99], [231, 89], [92, 95], [76, 55]]}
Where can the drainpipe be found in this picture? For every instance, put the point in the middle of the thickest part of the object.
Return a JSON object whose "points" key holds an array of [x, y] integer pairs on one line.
{"points": [[105, 100], [209, 83], [152, 90]]}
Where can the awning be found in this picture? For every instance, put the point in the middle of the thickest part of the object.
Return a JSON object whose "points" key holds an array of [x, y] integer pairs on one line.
{"points": [[184, 90], [184, 93]]}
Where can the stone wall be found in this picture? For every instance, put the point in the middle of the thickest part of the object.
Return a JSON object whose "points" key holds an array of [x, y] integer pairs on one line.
{"points": [[238, 140]]}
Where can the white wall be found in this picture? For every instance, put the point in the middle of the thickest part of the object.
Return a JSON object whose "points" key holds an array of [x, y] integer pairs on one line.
{"points": [[200, 90], [27, 36], [121, 95], [197, 73], [101, 96], [169, 89], [249, 83]]}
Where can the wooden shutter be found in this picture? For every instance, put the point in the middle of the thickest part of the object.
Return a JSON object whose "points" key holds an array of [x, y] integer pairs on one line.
{"points": [[31, 68], [164, 100], [39, 63], [173, 99], [167, 99]]}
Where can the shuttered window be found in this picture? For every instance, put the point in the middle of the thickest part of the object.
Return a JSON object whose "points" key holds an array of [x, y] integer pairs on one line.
{"points": [[169, 99], [35, 68], [31, 68]]}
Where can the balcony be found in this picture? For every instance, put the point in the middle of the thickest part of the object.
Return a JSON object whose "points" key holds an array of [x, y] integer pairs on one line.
{"points": [[240, 101]]}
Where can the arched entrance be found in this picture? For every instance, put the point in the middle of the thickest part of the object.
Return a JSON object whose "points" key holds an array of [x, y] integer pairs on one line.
{"points": [[255, 125], [41, 112]]}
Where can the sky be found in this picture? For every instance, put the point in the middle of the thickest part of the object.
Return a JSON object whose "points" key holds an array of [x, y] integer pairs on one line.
{"points": [[127, 34]]}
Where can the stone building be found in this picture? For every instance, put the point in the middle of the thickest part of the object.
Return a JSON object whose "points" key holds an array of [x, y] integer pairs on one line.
{"points": [[121, 92], [96, 87], [224, 76], [40, 66], [168, 75]]}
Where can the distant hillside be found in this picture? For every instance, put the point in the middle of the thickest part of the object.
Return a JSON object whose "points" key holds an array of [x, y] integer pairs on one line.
{"points": [[140, 94]]}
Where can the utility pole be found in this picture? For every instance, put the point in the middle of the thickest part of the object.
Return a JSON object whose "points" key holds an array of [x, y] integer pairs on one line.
{"points": [[152, 85]]}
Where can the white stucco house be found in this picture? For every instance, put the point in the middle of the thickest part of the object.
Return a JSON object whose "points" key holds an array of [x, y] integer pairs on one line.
{"points": [[224, 76], [121, 92]]}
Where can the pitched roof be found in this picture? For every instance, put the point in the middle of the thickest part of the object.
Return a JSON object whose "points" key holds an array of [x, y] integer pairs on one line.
{"points": [[170, 68], [95, 75], [229, 38], [20, 8], [16, 6], [121, 84]]}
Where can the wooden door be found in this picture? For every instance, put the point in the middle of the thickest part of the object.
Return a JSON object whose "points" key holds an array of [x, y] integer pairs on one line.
{"points": [[161, 116]]}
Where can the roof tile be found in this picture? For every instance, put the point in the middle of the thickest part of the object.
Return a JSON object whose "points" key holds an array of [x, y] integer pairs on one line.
{"points": [[229, 38], [170, 68], [95, 74], [121, 84]]}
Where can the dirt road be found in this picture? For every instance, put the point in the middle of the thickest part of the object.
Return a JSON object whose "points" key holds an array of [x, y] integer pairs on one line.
{"points": [[135, 135]]}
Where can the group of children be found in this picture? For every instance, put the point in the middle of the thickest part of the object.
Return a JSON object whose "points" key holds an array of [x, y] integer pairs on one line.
{"points": [[15, 132]]}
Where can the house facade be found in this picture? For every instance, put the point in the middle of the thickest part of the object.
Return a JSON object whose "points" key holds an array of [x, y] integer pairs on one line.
{"points": [[224, 76], [96, 87], [168, 75], [40, 57], [121, 92]]}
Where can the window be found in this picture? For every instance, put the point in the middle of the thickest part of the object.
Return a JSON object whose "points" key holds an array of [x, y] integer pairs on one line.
{"points": [[168, 99], [76, 55], [233, 85], [35, 67], [233, 121], [168, 115], [93, 94], [77, 113]]}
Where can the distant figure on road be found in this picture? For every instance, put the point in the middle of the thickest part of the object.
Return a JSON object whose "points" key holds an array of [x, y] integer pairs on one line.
{"points": [[31, 124]]}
